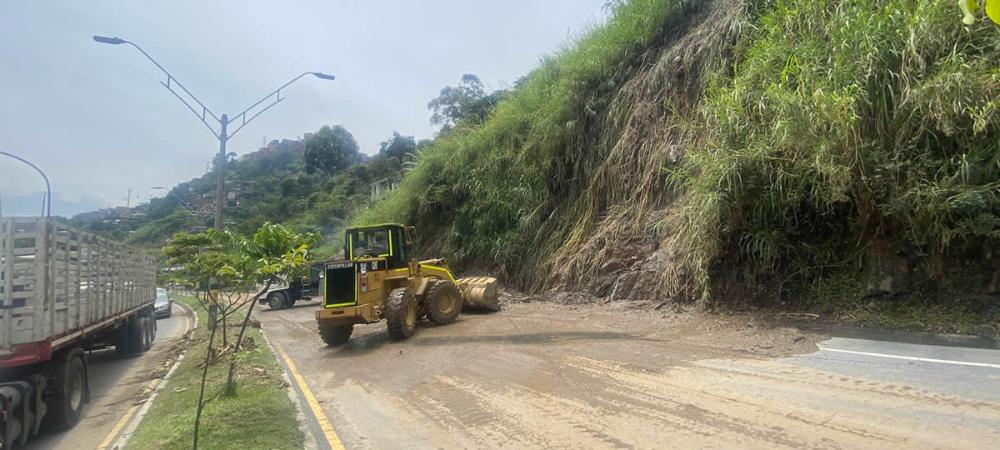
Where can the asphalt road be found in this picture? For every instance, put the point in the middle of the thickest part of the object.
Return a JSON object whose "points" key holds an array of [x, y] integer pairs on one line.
{"points": [[550, 376], [115, 385]]}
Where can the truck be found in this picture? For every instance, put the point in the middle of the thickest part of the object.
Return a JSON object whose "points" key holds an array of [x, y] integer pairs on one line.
{"points": [[63, 292], [285, 295]]}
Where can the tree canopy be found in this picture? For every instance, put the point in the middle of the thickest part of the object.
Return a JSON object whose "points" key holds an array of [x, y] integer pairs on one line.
{"points": [[330, 150], [467, 101], [398, 146]]}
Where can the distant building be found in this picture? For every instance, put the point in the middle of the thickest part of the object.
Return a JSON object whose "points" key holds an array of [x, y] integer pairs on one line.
{"points": [[383, 187]]}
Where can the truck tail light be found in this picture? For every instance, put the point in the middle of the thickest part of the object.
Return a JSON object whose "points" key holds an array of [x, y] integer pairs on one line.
{"points": [[364, 282]]}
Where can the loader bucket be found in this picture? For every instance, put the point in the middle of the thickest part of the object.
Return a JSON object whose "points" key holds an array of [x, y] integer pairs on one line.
{"points": [[480, 293]]}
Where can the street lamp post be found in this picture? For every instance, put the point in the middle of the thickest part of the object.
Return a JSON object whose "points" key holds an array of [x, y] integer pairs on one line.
{"points": [[47, 201], [223, 134], [47, 212]]}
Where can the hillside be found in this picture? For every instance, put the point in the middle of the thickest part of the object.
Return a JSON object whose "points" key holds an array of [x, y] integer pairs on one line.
{"points": [[273, 184], [838, 157]]}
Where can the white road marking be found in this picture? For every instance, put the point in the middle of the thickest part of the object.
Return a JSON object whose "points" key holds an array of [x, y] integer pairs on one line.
{"points": [[912, 358]]}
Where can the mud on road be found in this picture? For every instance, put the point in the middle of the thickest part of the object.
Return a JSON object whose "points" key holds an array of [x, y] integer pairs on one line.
{"points": [[542, 375]]}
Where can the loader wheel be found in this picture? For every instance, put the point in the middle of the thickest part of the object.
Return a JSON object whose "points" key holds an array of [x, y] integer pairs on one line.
{"points": [[443, 301], [401, 313], [335, 335], [69, 392]]}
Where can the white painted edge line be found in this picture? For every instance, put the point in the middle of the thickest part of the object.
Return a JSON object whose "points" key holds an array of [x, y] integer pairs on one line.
{"points": [[148, 403], [912, 358]]}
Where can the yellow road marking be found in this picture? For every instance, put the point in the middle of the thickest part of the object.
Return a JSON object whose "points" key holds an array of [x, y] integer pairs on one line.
{"points": [[317, 410], [109, 439], [125, 419], [118, 428]]}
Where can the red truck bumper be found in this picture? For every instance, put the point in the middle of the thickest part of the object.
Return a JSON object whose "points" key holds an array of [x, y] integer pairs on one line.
{"points": [[25, 354]]}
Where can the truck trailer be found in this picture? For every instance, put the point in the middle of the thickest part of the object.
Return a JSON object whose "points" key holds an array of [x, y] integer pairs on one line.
{"points": [[63, 292]]}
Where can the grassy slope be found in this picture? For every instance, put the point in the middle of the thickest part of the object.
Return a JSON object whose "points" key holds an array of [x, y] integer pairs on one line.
{"points": [[847, 123], [260, 416], [483, 193], [831, 128]]}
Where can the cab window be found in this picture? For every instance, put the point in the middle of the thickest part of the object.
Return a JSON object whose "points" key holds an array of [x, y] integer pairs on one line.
{"points": [[363, 243]]}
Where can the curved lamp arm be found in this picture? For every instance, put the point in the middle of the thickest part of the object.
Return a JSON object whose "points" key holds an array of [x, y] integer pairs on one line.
{"points": [[276, 95], [47, 201], [169, 84]]}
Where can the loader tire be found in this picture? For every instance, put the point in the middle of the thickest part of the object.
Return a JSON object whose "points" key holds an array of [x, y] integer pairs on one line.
{"points": [[443, 301], [401, 313], [335, 335]]}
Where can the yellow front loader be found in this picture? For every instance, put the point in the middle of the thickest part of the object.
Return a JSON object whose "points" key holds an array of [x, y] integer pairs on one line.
{"points": [[379, 279]]}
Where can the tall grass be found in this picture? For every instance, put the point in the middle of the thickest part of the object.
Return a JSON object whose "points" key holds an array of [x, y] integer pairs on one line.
{"points": [[482, 193], [805, 131], [846, 122]]}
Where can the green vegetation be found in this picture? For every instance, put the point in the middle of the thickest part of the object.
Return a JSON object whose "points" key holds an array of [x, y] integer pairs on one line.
{"points": [[847, 122], [261, 416], [758, 145], [309, 185], [490, 187], [766, 142], [230, 272]]}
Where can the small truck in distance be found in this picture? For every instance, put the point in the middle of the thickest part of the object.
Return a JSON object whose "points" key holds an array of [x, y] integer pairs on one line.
{"points": [[63, 292]]}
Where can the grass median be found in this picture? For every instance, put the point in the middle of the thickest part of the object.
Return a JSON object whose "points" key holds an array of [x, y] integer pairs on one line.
{"points": [[260, 416]]}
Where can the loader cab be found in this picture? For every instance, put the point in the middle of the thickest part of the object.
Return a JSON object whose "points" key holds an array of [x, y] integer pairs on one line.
{"points": [[389, 241]]}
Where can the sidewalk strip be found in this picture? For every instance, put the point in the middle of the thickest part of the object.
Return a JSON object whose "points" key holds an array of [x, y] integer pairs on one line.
{"points": [[324, 424], [912, 358]]}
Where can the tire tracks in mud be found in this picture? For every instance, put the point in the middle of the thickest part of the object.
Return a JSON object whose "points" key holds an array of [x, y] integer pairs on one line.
{"points": [[516, 380]]}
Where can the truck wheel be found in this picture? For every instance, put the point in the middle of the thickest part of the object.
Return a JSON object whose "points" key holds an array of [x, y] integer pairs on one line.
{"points": [[401, 313], [335, 335], [69, 392], [147, 333], [276, 300], [123, 343], [443, 301]]}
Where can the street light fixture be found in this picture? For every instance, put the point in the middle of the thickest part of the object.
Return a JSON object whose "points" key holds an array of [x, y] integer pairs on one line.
{"points": [[217, 125], [109, 40]]}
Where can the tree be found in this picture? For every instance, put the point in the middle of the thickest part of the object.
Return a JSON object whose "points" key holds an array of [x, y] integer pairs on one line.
{"points": [[398, 146], [240, 270], [331, 150], [468, 101]]}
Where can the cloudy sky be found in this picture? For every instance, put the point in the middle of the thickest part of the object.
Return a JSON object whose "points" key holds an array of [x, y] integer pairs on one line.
{"points": [[95, 118]]}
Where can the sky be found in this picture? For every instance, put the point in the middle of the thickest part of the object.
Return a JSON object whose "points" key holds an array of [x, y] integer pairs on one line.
{"points": [[95, 118]]}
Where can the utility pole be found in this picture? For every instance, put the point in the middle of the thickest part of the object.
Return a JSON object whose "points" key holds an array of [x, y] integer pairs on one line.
{"points": [[220, 168], [204, 114]]}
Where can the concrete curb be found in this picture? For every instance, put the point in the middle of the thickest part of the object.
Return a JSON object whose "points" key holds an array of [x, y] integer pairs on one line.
{"points": [[148, 403], [306, 423]]}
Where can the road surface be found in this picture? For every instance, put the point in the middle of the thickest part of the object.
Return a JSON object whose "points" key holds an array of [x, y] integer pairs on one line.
{"points": [[116, 384], [550, 376]]}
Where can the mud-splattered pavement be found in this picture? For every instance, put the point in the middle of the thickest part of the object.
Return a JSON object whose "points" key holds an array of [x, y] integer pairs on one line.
{"points": [[542, 375]]}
